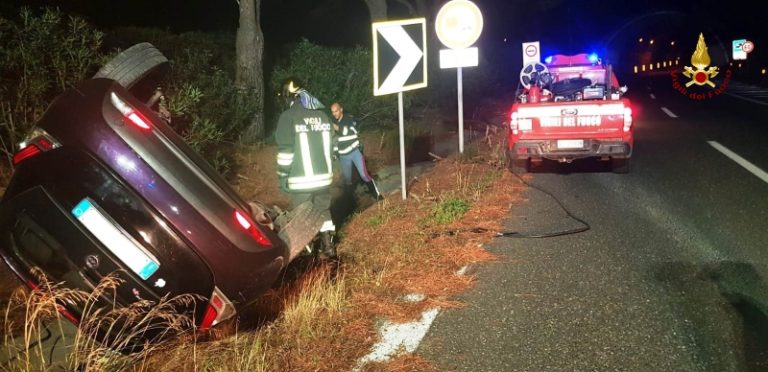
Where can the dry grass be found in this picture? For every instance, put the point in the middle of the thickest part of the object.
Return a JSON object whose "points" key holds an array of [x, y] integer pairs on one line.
{"points": [[137, 330]]}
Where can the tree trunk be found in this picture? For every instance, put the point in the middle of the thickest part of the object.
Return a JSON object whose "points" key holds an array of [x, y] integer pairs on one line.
{"points": [[249, 73], [424, 8], [411, 10], [377, 9]]}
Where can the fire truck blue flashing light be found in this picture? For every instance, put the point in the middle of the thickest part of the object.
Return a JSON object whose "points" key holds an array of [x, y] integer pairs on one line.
{"points": [[593, 58], [548, 60]]}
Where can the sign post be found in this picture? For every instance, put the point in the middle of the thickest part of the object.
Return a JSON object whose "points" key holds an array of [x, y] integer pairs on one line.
{"points": [[458, 25], [399, 64]]}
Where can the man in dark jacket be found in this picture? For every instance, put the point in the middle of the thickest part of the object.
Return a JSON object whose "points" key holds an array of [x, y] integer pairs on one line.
{"points": [[304, 143], [349, 149]]}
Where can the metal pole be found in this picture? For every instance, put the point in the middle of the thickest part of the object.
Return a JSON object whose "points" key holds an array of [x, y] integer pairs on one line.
{"points": [[461, 109], [402, 142]]}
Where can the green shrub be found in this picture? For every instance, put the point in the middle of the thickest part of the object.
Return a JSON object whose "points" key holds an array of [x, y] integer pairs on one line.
{"points": [[449, 209], [41, 55], [338, 74]]}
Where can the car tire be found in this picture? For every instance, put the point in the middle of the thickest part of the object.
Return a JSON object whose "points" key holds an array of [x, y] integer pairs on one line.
{"points": [[620, 165], [139, 68]]}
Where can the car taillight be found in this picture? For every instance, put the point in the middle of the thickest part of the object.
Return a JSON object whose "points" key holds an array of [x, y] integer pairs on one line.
{"points": [[627, 119], [129, 113], [250, 227], [25, 153], [513, 123], [37, 142], [64, 312], [219, 309]]}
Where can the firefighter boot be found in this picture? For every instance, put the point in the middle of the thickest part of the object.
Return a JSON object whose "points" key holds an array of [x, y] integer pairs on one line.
{"points": [[373, 190]]}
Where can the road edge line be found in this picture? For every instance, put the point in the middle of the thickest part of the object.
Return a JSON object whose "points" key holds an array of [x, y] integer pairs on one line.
{"points": [[759, 173]]}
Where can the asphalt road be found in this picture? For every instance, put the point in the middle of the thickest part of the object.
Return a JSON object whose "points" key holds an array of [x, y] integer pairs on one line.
{"points": [[671, 275]]}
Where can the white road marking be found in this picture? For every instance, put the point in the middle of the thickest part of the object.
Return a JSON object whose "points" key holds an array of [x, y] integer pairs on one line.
{"points": [[653, 96], [396, 336], [761, 174], [405, 335], [669, 113]]}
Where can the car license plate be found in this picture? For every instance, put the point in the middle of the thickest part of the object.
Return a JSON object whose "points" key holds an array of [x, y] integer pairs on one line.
{"points": [[119, 243], [570, 144]]}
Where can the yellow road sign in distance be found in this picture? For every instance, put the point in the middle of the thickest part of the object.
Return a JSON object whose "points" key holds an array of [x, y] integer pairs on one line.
{"points": [[459, 24]]}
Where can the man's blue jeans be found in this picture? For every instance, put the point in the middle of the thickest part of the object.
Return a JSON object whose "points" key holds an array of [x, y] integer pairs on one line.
{"points": [[347, 161]]}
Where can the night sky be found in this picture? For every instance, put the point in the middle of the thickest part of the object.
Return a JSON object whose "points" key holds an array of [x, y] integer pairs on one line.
{"points": [[562, 26]]}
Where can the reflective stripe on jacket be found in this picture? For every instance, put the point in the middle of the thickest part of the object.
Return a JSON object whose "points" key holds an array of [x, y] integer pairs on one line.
{"points": [[304, 141], [348, 140]]}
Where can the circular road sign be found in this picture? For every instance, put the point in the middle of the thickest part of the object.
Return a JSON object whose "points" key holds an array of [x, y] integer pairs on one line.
{"points": [[459, 24], [748, 46], [531, 51]]}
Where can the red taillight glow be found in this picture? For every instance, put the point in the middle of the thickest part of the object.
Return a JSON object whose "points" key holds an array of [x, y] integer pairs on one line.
{"points": [[248, 226], [242, 220], [219, 309], [129, 113], [513, 125], [68, 315], [627, 119], [44, 144], [36, 142], [135, 118], [208, 318], [61, 309], [25, 153]]}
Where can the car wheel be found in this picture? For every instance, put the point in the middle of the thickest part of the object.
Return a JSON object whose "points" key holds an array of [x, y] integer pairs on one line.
{"points": [[139, 68], [620, 165]]}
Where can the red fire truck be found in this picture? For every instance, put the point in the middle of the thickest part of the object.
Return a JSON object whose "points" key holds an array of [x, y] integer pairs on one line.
{"points": [[572, 107]]}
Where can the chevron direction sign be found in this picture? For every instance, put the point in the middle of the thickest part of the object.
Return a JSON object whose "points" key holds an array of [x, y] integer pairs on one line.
{"points": [[399, 56]]}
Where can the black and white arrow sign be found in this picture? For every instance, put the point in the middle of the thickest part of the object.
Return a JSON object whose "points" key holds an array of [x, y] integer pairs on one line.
{"points": [[399, 56]]}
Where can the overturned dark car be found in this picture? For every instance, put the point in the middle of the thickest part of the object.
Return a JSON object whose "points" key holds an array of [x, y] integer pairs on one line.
{"points": [[103, 185]]}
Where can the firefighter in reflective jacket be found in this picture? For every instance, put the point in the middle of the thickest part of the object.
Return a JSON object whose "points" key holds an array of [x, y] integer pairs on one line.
{"points": [[304, 139]]}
